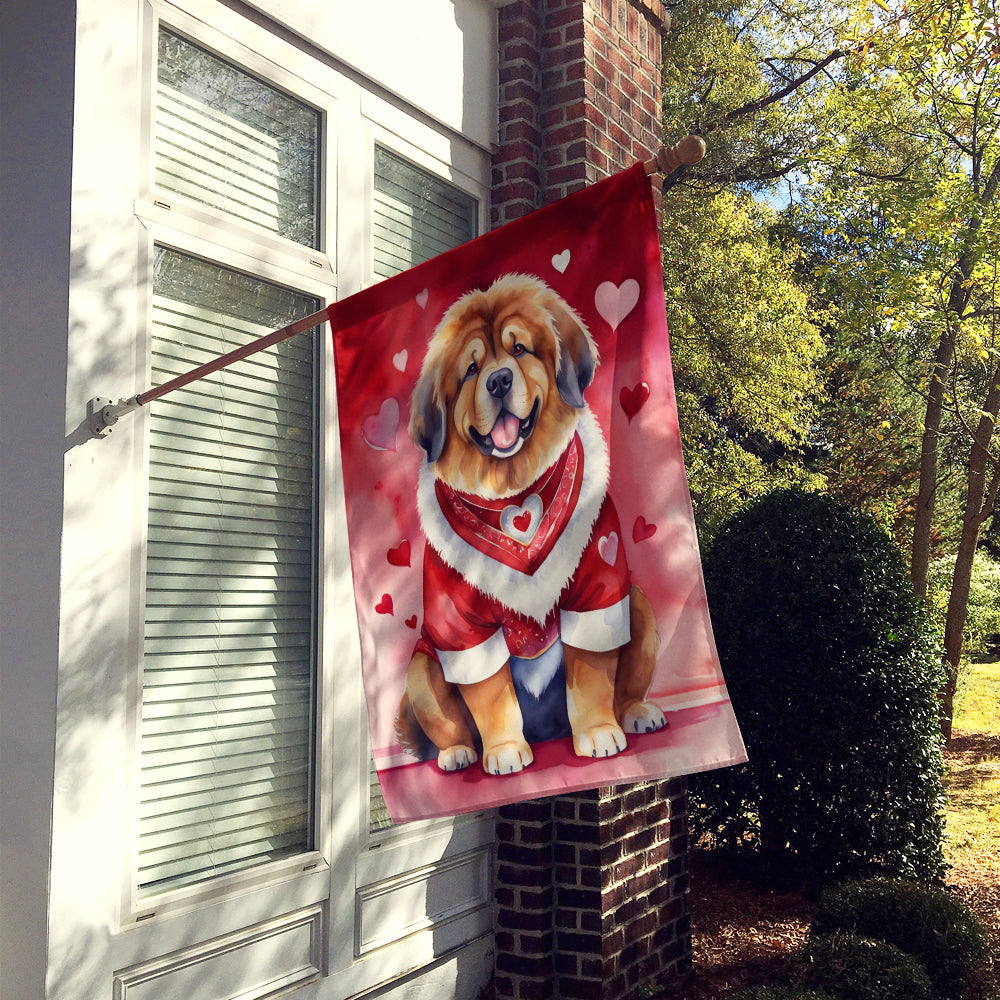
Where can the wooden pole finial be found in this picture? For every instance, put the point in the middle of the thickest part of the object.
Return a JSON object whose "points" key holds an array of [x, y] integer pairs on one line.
{"points": [[668, 158]]}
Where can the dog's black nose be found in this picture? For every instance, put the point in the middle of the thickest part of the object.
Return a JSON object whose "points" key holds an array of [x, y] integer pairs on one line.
{"points": [[499, 383]]}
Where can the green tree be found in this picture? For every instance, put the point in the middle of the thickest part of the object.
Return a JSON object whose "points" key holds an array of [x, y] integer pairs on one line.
{"points": [[748, 358], [910, 181]]}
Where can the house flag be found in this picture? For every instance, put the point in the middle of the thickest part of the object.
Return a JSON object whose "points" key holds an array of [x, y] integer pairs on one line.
{"points": [[527, 580]]}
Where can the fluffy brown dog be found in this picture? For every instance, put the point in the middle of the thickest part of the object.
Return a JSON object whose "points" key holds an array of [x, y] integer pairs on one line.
{"points": [[527, 595]]}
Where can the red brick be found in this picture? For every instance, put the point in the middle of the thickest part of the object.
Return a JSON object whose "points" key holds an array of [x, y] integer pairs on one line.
{"points": [[567, 175], [518, 49], [575, 988], [519, 112], [568, 94], [521, 92], [563, 53]]}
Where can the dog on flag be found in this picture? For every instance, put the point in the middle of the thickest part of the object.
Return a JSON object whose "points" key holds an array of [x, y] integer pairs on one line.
{"points": [[532, 628]]}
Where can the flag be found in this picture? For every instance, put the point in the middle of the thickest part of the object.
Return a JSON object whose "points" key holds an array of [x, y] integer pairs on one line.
{"points": [[527, 580]]}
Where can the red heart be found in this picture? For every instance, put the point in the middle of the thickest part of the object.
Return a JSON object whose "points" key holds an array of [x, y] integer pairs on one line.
{"points": [[384, 607], [522, 521], [641, 530], [400, 555], [411, 622], [632, 400]]}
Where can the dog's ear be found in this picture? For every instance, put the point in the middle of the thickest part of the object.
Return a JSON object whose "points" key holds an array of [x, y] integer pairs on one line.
{"points": [[578, 356], [427, 417]]}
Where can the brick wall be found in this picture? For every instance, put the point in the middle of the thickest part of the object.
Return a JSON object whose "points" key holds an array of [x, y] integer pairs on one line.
{"points": [[579, 96], [591, 888]]}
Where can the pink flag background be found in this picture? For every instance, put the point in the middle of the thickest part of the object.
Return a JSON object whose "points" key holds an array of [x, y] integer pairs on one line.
{"points": [[599, 250]]}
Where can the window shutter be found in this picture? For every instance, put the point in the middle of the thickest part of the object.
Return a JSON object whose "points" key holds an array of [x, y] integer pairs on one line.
{"points": [[228, 656], [416, 216]]}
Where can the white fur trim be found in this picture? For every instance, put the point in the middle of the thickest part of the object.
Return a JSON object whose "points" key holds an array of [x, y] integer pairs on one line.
{"points": [[531, 595], [465, 666], [598, 631]]}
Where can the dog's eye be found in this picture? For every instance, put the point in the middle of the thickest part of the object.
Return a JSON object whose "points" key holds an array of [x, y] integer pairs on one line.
{"points": [[518, 350], [472, 370]]}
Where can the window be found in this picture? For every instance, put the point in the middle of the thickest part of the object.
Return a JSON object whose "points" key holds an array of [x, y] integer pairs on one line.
{"points": [[210, 835], [227, 702], [227, 140], [416, 216], [229, 647]]}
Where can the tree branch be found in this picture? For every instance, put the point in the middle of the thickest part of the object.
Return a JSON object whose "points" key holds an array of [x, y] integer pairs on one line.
{"points": [[754, 106]]}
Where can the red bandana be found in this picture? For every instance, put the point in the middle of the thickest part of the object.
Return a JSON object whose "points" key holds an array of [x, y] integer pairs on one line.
{"points": [[520, 530]]}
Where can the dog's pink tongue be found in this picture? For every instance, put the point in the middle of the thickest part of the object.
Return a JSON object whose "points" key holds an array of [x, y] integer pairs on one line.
{"points": [[505, 431]]}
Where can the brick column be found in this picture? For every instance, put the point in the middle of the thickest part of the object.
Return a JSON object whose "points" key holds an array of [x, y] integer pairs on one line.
{"points": [[591, 888]]}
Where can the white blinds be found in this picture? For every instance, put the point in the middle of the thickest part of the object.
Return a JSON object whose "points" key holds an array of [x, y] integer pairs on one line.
{"points": [[416, 216], [225, 139], [227, 682]]}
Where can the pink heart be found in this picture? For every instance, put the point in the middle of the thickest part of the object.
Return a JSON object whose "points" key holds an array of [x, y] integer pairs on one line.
{"points": [[632, 400], [399, 360], [384, 607], [379, 430], [615, 302], [400, 555], [422, 298], [641, 530], [607, 546]]}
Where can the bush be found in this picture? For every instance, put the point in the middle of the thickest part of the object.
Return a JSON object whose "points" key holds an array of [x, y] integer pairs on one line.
{"points": [[833, 673], [856, 968], [925, 922], [782, 993]]}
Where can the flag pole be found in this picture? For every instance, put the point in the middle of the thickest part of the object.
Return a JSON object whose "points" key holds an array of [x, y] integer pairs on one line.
{"points": [[103, 413]]}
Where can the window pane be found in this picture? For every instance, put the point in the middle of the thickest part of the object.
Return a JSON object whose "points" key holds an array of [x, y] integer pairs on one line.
{"points": [[228, 140], [228, 657], [416, 216]]}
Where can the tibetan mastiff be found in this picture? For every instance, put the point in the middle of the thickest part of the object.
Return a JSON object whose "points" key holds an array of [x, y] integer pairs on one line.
{"points": [[532, 627]]}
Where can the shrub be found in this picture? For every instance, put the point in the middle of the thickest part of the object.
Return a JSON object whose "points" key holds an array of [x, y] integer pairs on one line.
{"points": [[782, 993], [856, 968], [833, 673], [926, 922]]}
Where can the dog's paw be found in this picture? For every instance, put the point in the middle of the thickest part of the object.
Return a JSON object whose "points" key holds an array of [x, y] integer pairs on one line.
{"points": [[644, 717], [457, 757], [599, 741], [507, 758]]}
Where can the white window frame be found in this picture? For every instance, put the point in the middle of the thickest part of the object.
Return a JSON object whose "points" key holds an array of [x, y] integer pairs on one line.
{"points": [[349, 868]]}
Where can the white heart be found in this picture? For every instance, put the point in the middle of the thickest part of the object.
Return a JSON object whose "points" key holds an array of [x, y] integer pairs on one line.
{"points": [[521, 523], [561, 261], [607, 546], [399, 360], [614, 303], [422, 299]]}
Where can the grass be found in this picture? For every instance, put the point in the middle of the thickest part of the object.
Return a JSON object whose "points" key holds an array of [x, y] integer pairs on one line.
{"points": [[978, 698], [973, 805], [973, 783]]}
